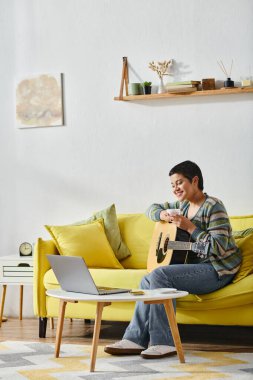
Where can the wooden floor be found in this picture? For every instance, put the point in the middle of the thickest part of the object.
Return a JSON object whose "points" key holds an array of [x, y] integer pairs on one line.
{"points": [[194, 337]]}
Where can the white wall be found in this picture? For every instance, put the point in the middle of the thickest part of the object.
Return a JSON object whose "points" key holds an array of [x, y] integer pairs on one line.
{"points": [[118, 151]]}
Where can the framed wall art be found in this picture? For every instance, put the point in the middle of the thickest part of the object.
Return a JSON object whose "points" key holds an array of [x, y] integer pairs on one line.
{"points": [[39, 101]]}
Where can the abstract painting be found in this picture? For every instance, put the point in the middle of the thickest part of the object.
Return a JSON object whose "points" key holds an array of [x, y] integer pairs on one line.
{"points": [[39, 101]]}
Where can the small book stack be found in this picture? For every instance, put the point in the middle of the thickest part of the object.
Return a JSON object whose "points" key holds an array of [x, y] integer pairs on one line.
{"points": [[186, 86]]}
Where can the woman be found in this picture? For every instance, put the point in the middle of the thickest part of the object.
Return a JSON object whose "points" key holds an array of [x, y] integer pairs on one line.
{"points": [[204, 218]]}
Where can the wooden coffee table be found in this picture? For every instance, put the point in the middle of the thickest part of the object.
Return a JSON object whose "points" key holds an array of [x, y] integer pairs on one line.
{"points": [[150, 297]]}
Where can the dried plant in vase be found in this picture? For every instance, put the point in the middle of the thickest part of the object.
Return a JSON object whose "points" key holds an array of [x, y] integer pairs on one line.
{"points": [[162, 69]]}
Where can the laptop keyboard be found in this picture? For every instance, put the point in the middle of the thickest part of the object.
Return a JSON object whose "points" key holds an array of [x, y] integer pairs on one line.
{"points": [[103, 288], [106, 290]]}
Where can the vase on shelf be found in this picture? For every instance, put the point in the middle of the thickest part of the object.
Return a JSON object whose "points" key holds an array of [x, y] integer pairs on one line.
{"points": [[161, 88], [229, 83]]}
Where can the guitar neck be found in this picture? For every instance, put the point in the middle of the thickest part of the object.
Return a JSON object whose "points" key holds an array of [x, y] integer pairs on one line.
{"points": [[179, 245]]}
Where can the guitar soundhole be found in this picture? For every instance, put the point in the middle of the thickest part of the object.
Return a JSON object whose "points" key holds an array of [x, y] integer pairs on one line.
{"points": [[165, 247], [161, 252], [160, 256]]}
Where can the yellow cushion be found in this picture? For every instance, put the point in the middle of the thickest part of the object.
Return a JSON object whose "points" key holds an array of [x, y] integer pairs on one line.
{"points": [[115, 278], [112, 230], [246, 246], [232, 295], [136, 230], [88, 241]]}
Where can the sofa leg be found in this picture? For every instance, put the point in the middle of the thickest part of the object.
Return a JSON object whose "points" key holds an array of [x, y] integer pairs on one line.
{"points": [[42, 327]]}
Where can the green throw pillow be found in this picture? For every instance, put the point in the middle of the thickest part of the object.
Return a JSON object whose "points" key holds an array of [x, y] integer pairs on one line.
{"points": [[242, 233], [245, 244], [112, 230]]}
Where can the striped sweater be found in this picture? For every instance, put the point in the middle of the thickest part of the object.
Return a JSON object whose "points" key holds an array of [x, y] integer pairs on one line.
{"points": [[212, 225]]}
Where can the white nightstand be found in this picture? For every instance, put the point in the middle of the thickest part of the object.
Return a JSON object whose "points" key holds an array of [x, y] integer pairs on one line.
{"points": [[15, 270]]}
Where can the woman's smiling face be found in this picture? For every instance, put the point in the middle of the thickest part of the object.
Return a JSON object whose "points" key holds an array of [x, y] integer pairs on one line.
{"points": [[182, 187]]}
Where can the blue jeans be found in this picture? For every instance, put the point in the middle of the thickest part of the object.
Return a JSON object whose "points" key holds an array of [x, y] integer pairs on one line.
{"points": [[149, 323]]}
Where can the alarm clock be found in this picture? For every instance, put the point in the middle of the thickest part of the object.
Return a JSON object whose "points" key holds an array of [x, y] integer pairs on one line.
{"points": [[25, 249]]}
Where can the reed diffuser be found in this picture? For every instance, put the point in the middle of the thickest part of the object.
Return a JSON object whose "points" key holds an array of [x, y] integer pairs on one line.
{"points": [[227, 83]]}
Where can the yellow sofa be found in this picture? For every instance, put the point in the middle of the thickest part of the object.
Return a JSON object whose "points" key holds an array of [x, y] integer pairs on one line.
{"points": [[232, 305]]}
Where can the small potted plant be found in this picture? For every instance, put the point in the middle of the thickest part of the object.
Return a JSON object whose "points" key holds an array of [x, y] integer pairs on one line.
{"points": [[147, 87]]}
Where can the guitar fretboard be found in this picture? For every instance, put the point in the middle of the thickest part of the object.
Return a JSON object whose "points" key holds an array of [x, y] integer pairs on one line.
{"points": [[179, 245]]}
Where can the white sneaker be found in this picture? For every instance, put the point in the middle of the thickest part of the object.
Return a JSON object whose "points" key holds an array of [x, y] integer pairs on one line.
{"points": [[124, 347], [156, 352]]}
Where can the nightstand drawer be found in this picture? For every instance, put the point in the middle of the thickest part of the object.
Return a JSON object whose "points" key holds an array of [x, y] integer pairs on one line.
{"points": [[16, 271]]}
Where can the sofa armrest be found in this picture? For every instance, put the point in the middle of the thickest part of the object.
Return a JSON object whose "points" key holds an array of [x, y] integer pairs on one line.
{"points": [[41, 266]]}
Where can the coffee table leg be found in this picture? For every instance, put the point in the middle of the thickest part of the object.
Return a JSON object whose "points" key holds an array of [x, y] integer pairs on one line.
{"points": [[2, 303], [174, 329], [60, 322], [94, 347]]}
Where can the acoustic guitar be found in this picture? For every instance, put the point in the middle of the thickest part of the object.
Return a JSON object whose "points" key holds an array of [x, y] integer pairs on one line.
{"points": [[171, 245]]}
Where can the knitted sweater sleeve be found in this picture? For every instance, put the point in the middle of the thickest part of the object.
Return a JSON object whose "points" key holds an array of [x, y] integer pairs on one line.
{"points": [[215, 228], [153, 212]]}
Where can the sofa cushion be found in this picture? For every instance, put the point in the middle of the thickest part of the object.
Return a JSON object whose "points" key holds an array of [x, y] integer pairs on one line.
{"points": [[119, 278], [246, 246], [136, 230], [88, 241], [112, 230], [232, 295]]}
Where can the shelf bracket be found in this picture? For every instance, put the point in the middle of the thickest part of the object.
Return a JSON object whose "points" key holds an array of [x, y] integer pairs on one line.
{"points": [[124, 79]]}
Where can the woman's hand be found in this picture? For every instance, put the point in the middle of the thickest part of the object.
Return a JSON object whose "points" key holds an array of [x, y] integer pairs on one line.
{"points": [[164, 216], [179, 220], [183, 223]]}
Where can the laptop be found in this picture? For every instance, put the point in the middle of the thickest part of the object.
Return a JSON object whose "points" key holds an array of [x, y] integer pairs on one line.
{"points": [[73, 275]]}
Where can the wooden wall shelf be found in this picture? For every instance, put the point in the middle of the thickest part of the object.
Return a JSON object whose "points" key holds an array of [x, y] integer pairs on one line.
{"points": [[124, 82], [186, 94]]}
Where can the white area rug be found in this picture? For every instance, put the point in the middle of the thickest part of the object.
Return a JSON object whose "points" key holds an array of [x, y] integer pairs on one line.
{"points": [[28, 360]]}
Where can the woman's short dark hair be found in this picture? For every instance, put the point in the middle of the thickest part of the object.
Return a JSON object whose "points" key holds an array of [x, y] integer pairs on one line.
{"points": [[189, 170]]}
